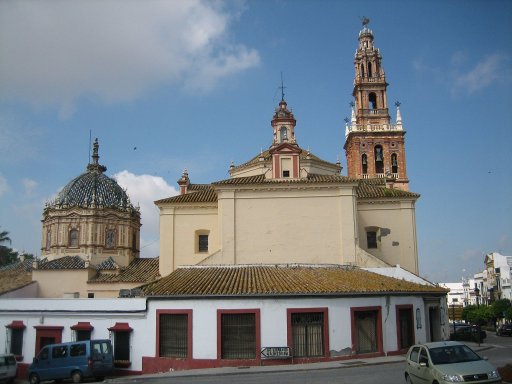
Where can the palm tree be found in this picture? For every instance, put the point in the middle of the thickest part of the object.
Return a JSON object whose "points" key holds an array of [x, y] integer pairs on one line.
{"points": [[4, 236]]}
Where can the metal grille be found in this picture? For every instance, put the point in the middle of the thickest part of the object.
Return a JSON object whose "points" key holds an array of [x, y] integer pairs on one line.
{"points": [[174, 335], [203, 243], [406, 328], [366, 328], [122, 346], [308, 334], [16, 342], [238, 336], [83, 335]]}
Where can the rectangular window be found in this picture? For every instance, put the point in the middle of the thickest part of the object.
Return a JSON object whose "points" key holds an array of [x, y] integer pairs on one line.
{"points": [[122, 346], [286, 173], [203, 243], [238, 335], [173, 335], [371, 238], [83, 335], [308, 334], [16, 342]]}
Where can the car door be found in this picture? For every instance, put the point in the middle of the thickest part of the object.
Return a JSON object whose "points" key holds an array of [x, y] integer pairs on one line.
{"points": [[102, 358], [413, 365]]}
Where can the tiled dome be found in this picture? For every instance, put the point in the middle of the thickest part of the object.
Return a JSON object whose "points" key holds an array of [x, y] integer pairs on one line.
{"points": [[93, 189]]}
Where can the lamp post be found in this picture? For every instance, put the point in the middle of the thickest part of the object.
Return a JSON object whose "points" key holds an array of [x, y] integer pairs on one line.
{"points": [[477, 294]]}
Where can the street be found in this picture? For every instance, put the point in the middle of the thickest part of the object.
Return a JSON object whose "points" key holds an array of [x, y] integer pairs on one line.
{"points": [[497, 349]]}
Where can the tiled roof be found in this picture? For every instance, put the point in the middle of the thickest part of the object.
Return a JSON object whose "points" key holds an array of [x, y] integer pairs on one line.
{"points": [[66, 262], [140, 270], [109, 264], [376, 188], [205, 194], [311, 179], [280, 280], [15, 276]]}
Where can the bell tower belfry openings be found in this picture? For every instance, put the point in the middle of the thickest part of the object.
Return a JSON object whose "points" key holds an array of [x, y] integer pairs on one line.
{"points": [[374, 147]]}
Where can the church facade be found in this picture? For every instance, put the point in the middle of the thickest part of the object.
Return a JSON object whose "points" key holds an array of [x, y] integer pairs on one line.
{"points": [[286, 205]]}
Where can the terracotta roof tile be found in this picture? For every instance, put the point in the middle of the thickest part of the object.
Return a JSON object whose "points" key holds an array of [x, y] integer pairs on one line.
{"points": [[66, 262], [311, 179], [280, 280], [376, 188], [15, 276], [205, 194], [140, 270]]}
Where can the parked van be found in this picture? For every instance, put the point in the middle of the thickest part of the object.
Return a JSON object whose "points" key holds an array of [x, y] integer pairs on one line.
{"points": [[77, 360]]}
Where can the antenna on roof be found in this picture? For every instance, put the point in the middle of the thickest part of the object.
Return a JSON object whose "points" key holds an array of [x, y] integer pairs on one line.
{"points": [[90, 144]]}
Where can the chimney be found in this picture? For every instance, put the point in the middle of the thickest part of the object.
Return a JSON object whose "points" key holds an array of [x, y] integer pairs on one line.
{"points": [[184, 182]]}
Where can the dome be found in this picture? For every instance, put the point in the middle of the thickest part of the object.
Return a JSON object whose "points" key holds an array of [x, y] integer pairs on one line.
{"points": [[93, 189]]}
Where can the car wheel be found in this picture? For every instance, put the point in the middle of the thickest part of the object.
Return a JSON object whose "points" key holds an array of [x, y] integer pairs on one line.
{"points": [[34, 379], [408, 379], [76, 377]]}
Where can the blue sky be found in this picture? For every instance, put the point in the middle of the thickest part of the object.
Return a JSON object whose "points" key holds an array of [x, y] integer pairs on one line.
{"points": [[169, 85]]}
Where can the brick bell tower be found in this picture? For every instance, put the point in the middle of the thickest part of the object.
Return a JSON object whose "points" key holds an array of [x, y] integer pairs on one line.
{"points": [[374, 147]]}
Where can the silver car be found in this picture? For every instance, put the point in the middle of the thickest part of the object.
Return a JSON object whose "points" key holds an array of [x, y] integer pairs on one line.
{"points": [[447, 362], [8, 368]]}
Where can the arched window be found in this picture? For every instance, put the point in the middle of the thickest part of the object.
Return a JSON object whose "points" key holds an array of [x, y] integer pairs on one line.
{"points": [[48, 240], [362, 70], [73, 238], [284, 134], [110, 238], [394, 163], [369, 69], [372, 98], [379, 159], [364, 163]]}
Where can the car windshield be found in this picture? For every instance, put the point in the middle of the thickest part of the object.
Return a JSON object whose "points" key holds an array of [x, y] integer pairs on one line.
{"points": [[452, 354]]}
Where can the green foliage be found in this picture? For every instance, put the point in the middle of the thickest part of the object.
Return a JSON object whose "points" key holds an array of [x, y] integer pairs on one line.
{"points": [[477, 315], [500, 307], [7, 254]]}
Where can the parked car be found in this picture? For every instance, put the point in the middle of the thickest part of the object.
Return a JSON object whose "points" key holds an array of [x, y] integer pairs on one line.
{"points": [[8, 368], [504, 330], [468, 333], [447, 362], [77, 360]]}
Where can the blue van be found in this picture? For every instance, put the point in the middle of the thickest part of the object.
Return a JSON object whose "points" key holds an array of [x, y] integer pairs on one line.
{"points": [[77, 360]]}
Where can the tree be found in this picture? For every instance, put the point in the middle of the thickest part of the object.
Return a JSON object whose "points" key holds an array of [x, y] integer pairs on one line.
{"points": [[477, 315], [7, 254], [499, 308]]}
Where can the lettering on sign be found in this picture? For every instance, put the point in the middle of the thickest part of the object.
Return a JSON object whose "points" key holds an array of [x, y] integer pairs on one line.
{"points": [[275, 353]]}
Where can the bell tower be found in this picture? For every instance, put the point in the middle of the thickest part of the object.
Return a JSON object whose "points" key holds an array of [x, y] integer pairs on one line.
{"points": [[374, 147]]}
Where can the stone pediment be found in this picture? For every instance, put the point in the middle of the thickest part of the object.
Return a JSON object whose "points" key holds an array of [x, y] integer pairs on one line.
{"points": [[286, 148]]}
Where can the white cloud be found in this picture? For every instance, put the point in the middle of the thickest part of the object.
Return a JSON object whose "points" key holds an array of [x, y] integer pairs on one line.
{"points": [[489, 70], [54, 52], [4, 187], [29, 185], [143, 190]]}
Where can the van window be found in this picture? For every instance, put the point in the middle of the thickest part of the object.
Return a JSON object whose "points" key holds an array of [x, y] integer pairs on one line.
{"points": [[59, 351], [77, 350], [102, 347], [43, 355]]}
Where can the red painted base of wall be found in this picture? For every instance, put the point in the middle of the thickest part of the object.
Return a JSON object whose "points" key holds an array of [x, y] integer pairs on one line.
{"points": [[162, 364], [22, 372]]}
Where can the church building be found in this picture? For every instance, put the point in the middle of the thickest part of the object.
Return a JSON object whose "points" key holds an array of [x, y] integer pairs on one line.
{"points": [[286, 261]]}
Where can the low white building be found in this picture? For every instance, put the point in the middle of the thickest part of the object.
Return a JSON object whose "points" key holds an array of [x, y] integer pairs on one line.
{"points": [[211, 316]]}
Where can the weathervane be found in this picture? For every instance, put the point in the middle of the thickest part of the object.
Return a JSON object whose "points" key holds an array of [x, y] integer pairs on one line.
{"points": [[282, 87], [397, 103], [365, 21]]}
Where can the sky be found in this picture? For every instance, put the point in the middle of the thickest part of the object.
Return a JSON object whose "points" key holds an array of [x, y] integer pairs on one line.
{"points": [[173, 85]]}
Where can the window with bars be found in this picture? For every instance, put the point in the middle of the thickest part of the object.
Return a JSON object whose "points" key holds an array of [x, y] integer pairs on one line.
{"points": [[16, 345], [308, 334], [203, 243], [238, 335], [173, 335], [122, 346], [366, 331], [371, 239], [81, 335], [73, 238]]}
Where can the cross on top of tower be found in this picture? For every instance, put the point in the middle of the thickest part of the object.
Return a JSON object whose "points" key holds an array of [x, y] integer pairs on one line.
{"points": [[282, 87]]}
